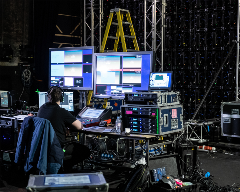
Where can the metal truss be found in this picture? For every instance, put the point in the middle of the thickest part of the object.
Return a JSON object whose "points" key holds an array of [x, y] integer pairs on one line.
{"points": [[154, 28], [237, 58], [93, 14]]}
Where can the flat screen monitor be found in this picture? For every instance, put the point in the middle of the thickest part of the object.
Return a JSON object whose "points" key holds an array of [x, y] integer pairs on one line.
{"points": [[160, 81], [5, 99], [120, 72], [92, 113], [67, 103], [71, 67]]}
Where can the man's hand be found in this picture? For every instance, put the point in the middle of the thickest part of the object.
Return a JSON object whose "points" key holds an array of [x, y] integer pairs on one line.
{"points": [[78, 125]]}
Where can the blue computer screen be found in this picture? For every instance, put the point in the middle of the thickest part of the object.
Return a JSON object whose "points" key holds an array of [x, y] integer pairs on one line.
{"points": [[160, 80], [71, 68], [120, 72]]}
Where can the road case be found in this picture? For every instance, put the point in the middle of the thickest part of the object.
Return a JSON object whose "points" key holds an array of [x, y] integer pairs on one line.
{"points": [[230, 119], [152, 119], [84, 182]]}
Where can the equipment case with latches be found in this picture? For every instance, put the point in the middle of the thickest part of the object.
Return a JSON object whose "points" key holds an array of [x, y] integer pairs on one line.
{"points": [[75, 182], [230, 119], [158, 98], [152, 119]]}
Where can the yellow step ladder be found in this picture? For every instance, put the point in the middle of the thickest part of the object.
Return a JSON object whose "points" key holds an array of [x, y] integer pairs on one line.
{"points": [[89, 97], [120, 33]]}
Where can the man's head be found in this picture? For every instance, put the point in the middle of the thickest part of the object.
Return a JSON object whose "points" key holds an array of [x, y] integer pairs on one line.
{"points": [[55, 94]]}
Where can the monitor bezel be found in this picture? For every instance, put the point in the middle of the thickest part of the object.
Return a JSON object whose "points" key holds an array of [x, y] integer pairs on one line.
{"points": [[69, 49], [162, 88], [118, 54]]}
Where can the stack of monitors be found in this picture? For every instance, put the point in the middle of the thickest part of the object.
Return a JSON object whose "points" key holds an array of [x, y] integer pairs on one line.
{"points": [[120, 72], [71, 67]]}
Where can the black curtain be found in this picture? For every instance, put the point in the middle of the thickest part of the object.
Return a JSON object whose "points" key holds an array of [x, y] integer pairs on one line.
{"points": [[45, 13]]}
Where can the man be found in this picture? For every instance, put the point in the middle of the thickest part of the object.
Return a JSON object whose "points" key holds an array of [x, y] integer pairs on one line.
{"points": [[60, 119]]}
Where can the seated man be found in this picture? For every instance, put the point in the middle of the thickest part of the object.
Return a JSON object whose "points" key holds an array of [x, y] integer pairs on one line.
{"points": [[60, 119]]}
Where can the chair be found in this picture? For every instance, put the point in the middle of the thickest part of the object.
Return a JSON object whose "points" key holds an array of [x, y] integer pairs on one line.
{"points": [[38, 146]]}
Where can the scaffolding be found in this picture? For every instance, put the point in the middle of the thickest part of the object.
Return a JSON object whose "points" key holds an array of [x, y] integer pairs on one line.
{"points": [[154, 28]]}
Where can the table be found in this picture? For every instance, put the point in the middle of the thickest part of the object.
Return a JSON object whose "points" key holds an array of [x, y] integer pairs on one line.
{"points": [[102, 131]]}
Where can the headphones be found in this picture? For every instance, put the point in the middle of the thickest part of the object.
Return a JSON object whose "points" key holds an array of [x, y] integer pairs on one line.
{"points": [[56, 87]]}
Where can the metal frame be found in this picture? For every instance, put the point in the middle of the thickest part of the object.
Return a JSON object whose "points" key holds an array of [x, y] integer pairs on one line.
{"points": [[157, 30], [91, 10], [237, 59]]}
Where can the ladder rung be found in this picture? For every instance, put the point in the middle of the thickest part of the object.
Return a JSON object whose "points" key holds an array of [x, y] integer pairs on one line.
{"points": [[131, 50], [114, 23], [124, 22], [129, 36], [112, 37]]}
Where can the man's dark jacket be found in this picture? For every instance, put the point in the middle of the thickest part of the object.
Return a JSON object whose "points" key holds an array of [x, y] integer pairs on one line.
{"points": [[39, 146]]}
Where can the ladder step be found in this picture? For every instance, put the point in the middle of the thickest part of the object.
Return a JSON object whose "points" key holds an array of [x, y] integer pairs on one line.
{"points": [[124, 22], [112, 37], [129, 36]]}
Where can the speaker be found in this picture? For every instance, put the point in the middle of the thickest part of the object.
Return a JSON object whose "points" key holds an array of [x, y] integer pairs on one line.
{"points": [[187, 157]]}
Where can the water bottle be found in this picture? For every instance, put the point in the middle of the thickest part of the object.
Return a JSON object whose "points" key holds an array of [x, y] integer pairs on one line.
{"points": [[118, 124]]}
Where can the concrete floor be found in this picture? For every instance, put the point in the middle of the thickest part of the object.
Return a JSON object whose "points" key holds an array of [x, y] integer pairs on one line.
{"points": [[223, 167]]}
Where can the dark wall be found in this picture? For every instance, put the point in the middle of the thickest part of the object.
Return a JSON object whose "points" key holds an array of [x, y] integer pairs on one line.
{"points": [[29, 27], [15, 31], [198, 37]]}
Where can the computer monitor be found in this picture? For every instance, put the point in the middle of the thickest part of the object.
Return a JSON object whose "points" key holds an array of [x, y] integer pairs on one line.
{"points": [[67, 103], [160, 81], [92, 113], [120, 72], [71, 67], [5, 99]]}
